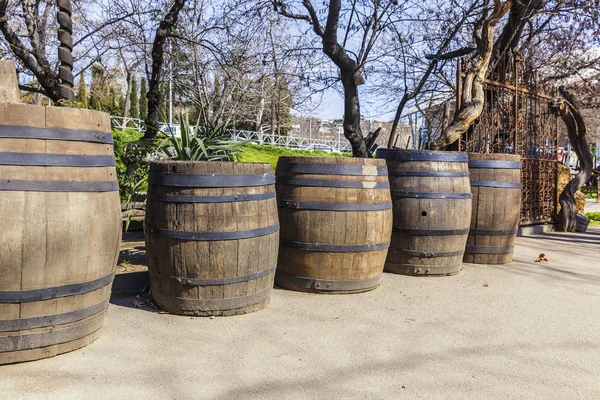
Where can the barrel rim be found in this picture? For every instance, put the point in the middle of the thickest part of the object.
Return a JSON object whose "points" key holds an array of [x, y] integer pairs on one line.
{"points": [[296, 168], [48, 293], [184, 162], [332, 183], [421, 155], [370, 162], [492, 156], [285, 279], [56, 133], [495, 164], [205, 181]]}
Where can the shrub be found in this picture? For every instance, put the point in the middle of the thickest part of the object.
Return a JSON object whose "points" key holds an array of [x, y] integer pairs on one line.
{"points": [[130, 156]]}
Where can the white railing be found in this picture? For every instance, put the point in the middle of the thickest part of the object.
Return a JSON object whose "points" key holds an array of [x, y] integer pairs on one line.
{"points": [[134, 123], [291, 142]]}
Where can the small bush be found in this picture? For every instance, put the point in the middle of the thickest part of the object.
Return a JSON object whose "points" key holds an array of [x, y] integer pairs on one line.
{"points": [[129, 156]]}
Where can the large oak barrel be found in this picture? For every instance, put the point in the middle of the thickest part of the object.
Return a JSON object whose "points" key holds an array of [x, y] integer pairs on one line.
{"points": [[61, 229], [496, 187], [432, 211], [336, 222], [212, 236]]}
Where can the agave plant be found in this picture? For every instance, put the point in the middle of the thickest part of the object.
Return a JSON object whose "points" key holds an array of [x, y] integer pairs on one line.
{"points": [[208, 141]]}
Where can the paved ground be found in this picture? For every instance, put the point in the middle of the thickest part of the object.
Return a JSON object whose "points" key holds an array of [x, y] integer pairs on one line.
{"points": [[523, 331], [592, 206]]}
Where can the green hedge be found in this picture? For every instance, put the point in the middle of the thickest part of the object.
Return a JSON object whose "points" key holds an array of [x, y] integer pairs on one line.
{"points": [[595, 218]]}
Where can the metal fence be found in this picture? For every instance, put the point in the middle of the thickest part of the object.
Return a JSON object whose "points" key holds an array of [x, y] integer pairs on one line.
{"points": [[519, 118]]}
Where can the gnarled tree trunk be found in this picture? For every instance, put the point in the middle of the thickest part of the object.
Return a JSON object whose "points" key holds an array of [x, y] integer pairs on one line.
{"points": [[158, 59], [569, 112], [473, 91]]}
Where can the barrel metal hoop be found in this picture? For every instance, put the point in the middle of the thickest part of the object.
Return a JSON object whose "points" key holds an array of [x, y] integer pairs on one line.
{"points": [[325, 285], [495, 184], [51, 337], [210, 180], [484, 232], [494, 164], [407, 155], [416, 269], [309, 205], [209, 305], [233, 198], [214, 281], [430, 174], [426, 195], [330, 169], [431, 232], [212, 236], [29, 296], [424, 254], [489, 249], [52, 320], [334, 248], [56, 160], [68, 135], [17, 185], [286, 180]]}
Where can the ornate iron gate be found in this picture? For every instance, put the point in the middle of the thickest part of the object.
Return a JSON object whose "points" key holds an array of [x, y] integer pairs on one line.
{"points": [[519, 118]]}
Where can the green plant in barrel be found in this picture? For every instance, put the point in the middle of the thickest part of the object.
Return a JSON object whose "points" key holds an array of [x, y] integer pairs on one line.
{"points": [[218, 215], [207, 141]]}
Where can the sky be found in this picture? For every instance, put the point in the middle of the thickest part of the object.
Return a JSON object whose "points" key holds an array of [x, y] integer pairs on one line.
{"points": [[332, 107]]}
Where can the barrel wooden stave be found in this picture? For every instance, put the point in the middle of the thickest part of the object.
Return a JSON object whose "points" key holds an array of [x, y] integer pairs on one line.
{"points": [[429, 233], [495, 209], [55, 238], [212, 259], [346, 271]]}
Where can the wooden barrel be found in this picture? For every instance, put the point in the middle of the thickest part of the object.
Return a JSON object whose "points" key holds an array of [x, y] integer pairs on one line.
{"points": [[61, 229], [212, 236], [432, 211], [582, 223], [336, 219], [496, 187]]}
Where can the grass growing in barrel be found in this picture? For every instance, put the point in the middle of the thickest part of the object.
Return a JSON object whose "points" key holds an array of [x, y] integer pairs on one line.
{"points": [[270, 154]]}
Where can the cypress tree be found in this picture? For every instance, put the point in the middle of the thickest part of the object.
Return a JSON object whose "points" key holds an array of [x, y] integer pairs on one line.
{"points": [[97, 88], [134, 106], [82, 93], [143, 100]]}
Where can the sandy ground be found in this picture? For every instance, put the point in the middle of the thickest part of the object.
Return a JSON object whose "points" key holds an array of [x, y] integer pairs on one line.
{"points": [[523, 331]]}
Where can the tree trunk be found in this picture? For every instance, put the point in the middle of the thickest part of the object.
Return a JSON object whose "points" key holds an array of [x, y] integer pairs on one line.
{"points": [[127, 95], [261, 106], [577, 130], [158, 59], [352, 130], [473, 91]]}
